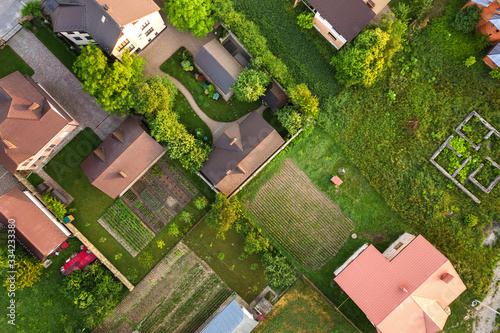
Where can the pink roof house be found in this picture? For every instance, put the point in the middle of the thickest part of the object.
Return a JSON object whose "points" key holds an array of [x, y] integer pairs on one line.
{"points": [[406, 289]]}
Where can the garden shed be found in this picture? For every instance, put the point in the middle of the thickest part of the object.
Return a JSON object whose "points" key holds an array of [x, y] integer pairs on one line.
{"points": [[275, 96]]}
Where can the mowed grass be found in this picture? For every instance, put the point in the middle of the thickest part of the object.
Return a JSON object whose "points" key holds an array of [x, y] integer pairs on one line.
{"points": [[90, 204], [11, 62], [236, 273], [305, 222], [320, 159], [219, 110], [191, 120], [34, 179], [56, 45], [303, 309]]}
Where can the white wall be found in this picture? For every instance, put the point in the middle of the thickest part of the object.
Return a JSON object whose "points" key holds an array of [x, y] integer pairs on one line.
{"points": [[136, 32], [329, 26]]}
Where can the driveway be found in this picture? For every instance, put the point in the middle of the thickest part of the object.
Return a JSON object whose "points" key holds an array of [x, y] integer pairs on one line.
{"points": [[62, 84]]}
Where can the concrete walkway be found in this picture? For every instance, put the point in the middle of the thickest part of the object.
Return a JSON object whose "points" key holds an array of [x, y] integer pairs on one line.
{"points": [[63, 85]]}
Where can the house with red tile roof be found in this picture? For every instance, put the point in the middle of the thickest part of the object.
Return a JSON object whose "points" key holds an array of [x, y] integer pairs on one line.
{"points": [[32, 123], [339, 21], [122, 158], [407, 289], [35, 227]]}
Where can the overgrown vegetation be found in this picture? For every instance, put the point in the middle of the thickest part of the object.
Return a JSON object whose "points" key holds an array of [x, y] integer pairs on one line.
{"points": [[54, 205]]}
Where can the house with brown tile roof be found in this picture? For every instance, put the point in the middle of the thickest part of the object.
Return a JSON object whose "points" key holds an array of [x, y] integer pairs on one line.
{"points": [[407, 289], [489, 24], [32, 123], [35, 227], [113, 25], [122, 158], [275, 96], [339, 21], [240, 151]]}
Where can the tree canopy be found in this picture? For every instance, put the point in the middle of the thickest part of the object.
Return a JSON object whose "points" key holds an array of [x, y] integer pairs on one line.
{"points": [[110, 84], [290, 118], [251, 85], [224, 213], [308, 103], [154, 95], [467, 19], [193, 15], [363, 61]]}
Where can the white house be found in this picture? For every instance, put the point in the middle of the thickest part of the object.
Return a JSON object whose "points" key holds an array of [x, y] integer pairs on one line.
{"points": [[113, 25]]}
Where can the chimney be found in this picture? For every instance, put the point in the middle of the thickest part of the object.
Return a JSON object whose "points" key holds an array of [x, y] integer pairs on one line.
{"points": [[33, 106], [123, 174], [241, 168], [403, 289], [9, 144], [118, 135], [233, 142], [106, 7], [446, 278], [99, 153]]}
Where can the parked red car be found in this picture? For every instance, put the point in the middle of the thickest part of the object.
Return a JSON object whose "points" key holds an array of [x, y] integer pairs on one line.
{"points": [[74, 263]]}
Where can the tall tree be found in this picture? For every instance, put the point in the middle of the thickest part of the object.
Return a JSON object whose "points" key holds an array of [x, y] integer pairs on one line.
{"points": [[111, 85], [307, 102], [224, 213], [154, 95], [193, 15], [251, 85]]}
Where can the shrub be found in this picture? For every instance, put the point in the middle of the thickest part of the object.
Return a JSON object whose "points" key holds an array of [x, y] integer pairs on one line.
{"points": [[118, 256], [307, 102], [305, 20], [470, 220], [251, 85], [467, 19], [290, 118], [278, 272], [221, 256], [201, 203], [470, 61], [186, 65], [160, 243], [495, 73], [32, 8], [224, 213], [55, 206], [186, 217], [173, 230], [253, 267]]}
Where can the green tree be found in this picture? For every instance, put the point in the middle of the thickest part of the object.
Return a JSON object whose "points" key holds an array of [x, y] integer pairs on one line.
{"points": [[224, 213], [251, 85], [201, 203], [173, 230], [55, 206], [307, 102], [290, 118], [363, 61], [154, 95], [28, 272], [32, 8], [278, 271], [193, 15], [305, 20], [255, 242], [467, 19], [110, 84]]}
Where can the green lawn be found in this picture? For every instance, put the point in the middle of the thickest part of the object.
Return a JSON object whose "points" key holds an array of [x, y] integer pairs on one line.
{"points": [[55, 44], [11, 62], [90, 203], [321, 159], [236, 273], [34, 179], [217, 110], [303, 309], [191, 120], [34, 304]]}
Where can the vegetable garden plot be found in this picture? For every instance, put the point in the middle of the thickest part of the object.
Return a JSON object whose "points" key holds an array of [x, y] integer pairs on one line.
{"points": [[178, 295], [300, 217], [127, 226]]}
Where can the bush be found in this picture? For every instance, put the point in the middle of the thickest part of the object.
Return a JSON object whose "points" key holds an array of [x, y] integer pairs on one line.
{"points": [[201, 203], [305, 20], [55, 206], [467, 19], [290, 118], [186, 65], [470, 61], [32, 8], [186, 217], [470, 220], [173, 230], [308, 103], [251, 85], [495, 73], [278, 272]]}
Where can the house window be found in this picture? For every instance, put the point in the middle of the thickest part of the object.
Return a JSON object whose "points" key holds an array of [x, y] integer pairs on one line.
{"points": [[331, 35], [77, 38], [149, 31], [131, 48], [49, 148], [123, 44], [72, 32], [496, 31], [63, 134], [88, 38], [145, 25]]}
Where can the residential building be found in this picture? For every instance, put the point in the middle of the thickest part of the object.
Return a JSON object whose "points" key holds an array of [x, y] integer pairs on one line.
{"points": [[114, 25], [339, 21], [35, 227], [219, 67], [240, 151], [275, 96], [32, 123], [492, 59], [489, 24], [407, 289], [122, 158]]}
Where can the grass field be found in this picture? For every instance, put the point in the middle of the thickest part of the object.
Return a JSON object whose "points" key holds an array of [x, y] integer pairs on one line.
{"points": [[191, 120], [34, 179], [11, 62], [219, 110], [303, 309], [181, 294], [57, 46], [236, 273], [305, 221], [90, 203]]}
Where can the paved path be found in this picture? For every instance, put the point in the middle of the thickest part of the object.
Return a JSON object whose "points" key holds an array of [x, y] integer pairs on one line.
{"points": [[63, 85]]}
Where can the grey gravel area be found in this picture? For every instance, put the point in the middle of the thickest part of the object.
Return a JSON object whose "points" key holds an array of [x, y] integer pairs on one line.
{"points": [[63, 85]]}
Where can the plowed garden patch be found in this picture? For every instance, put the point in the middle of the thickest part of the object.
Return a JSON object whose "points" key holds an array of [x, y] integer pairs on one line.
{"points": [[300, 217]]}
